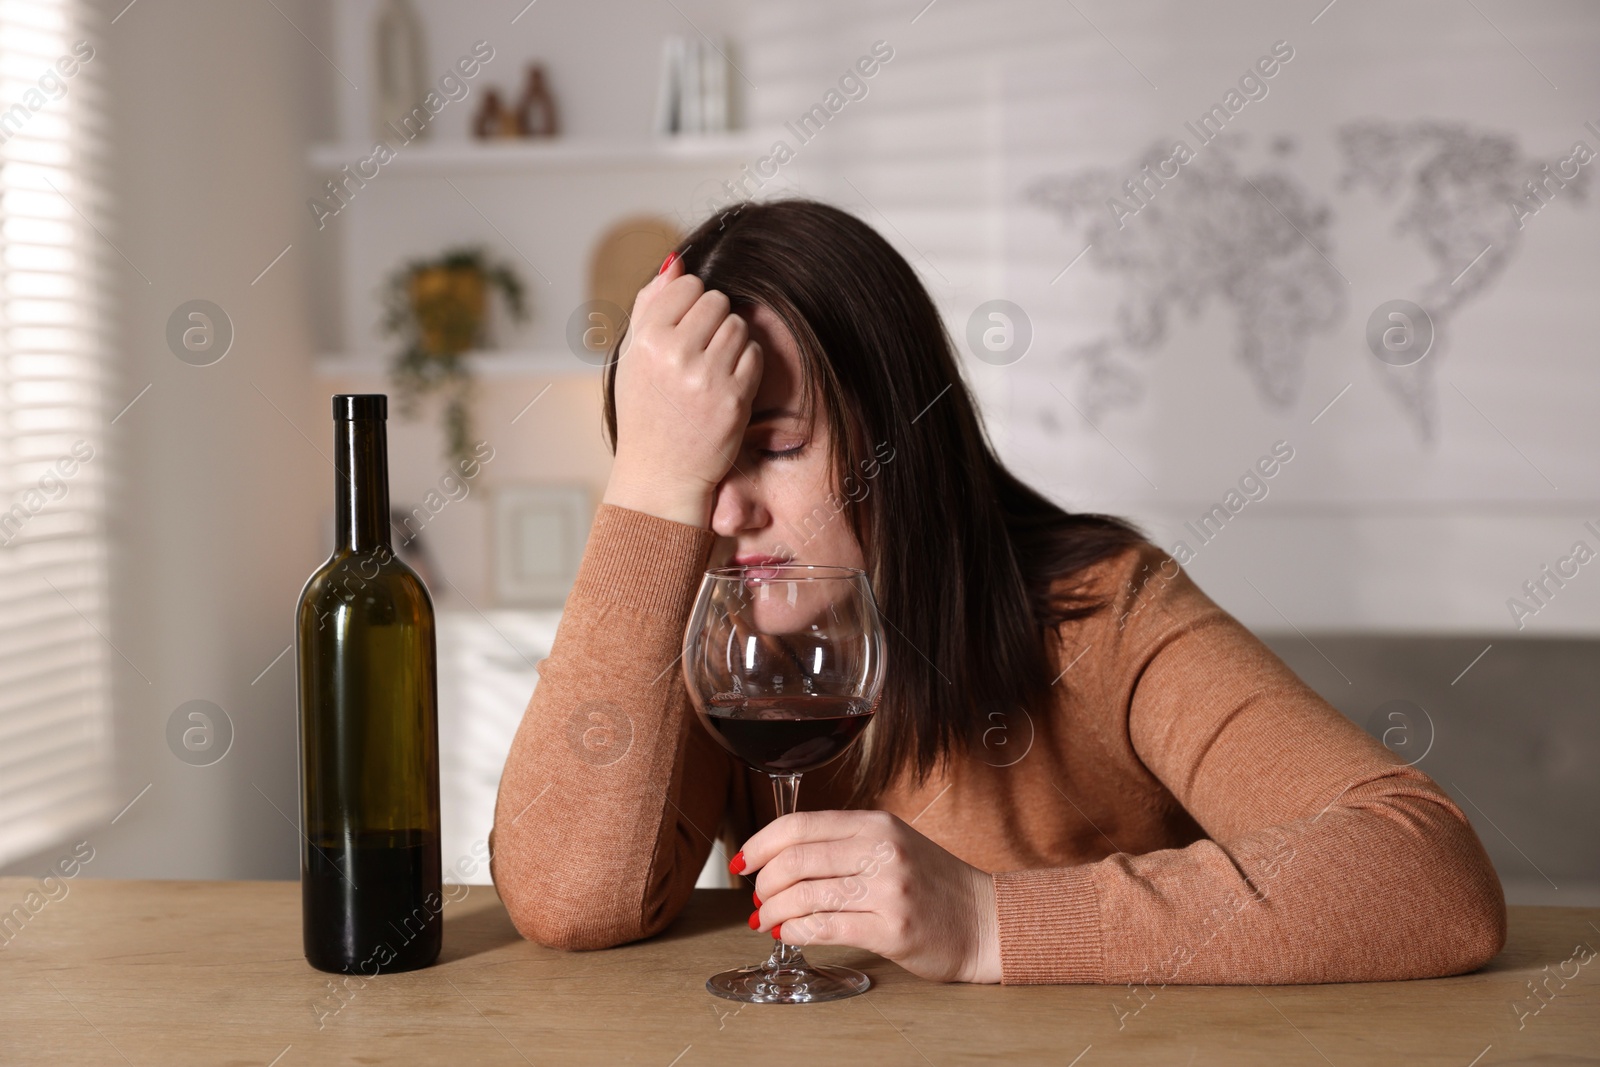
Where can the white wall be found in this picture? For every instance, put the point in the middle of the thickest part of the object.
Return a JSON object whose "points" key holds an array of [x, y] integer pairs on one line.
{"points": [[216, 105], [217, 526], [1371, 527]]}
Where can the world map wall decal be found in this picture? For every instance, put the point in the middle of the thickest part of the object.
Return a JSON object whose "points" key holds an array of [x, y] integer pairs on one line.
{"points": [[1191, 230]]}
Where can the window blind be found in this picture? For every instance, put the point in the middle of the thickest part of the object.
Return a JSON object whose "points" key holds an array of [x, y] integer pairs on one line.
{"points": [[54, 662]]}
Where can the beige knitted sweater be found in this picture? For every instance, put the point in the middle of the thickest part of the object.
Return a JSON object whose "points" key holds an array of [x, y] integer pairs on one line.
{"points": [[1185, 811]]}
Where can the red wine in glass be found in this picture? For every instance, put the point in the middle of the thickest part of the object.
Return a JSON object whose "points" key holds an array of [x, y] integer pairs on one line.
{"points": [[787, 735], [784, 666]]}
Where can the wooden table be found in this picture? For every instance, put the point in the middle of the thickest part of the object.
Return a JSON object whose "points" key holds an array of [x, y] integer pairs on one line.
{"points": [[211, 972]]}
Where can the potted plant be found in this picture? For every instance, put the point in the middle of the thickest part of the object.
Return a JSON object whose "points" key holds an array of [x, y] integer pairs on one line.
{"points": [[438, 307]]}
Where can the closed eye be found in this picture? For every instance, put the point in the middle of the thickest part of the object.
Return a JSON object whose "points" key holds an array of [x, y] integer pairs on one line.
{"points": [[787, 453]]}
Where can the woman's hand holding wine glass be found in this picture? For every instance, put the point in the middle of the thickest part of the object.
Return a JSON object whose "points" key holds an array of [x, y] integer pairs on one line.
{"points": [[685, 377], [869, 880]]}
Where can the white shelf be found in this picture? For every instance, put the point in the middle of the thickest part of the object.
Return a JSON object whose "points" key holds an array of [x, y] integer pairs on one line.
{"points": [[492, 364], [459, 157]]}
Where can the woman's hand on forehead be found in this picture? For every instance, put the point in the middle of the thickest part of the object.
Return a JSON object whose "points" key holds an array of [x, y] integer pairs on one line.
{"points": [[686, 374]]}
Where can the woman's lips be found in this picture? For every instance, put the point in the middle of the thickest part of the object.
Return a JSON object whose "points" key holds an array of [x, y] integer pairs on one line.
{"points": [[760, 567]]}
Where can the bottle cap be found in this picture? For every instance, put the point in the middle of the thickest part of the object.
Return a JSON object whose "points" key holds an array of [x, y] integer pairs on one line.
{"points": [[348, 407]]}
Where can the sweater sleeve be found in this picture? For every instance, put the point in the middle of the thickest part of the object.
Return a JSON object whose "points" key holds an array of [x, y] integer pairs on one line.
{"points": [[612, 794], [1326, 858]]}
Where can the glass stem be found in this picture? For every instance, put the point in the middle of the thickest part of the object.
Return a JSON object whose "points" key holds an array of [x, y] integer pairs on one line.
{"points": [[786, 794]]}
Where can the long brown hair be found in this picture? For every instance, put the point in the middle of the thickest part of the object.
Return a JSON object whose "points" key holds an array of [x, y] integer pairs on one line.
{"points": [[970, 567]]}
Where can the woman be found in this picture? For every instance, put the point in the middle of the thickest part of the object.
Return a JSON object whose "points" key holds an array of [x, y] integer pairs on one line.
{"points": [[1082, 770]]}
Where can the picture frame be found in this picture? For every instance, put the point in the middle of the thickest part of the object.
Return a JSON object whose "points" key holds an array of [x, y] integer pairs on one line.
{"points": [[539, 534]]}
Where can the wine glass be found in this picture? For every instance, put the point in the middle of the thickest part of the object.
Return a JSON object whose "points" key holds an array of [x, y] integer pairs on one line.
{"points": [[784, 665]]}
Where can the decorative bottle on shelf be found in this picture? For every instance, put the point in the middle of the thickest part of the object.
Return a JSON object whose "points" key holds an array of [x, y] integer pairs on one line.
{"points": [[493, 120], [370, 872], [536, 111], [397, 53]]}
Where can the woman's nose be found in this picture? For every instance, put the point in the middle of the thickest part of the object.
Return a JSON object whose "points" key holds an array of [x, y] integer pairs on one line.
{"points": [[737, 507]]}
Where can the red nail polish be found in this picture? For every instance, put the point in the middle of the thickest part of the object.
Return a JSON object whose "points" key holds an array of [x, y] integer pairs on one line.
{"points": [[755, 898], [755, 920], [736, 865], [665, 263], [777, 932]]}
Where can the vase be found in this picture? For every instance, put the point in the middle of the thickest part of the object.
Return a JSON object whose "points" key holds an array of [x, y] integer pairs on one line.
{"points": [[401, 80]]}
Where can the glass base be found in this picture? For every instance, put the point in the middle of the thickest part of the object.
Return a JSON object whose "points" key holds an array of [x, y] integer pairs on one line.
{"points": [[802, 983], [786, 977]]}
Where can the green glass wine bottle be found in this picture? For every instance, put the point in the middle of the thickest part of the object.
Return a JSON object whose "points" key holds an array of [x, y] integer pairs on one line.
{"points": [[369, 750]]}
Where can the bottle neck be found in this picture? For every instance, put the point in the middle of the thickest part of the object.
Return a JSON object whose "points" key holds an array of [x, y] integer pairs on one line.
{"points": [[361, 521]]}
